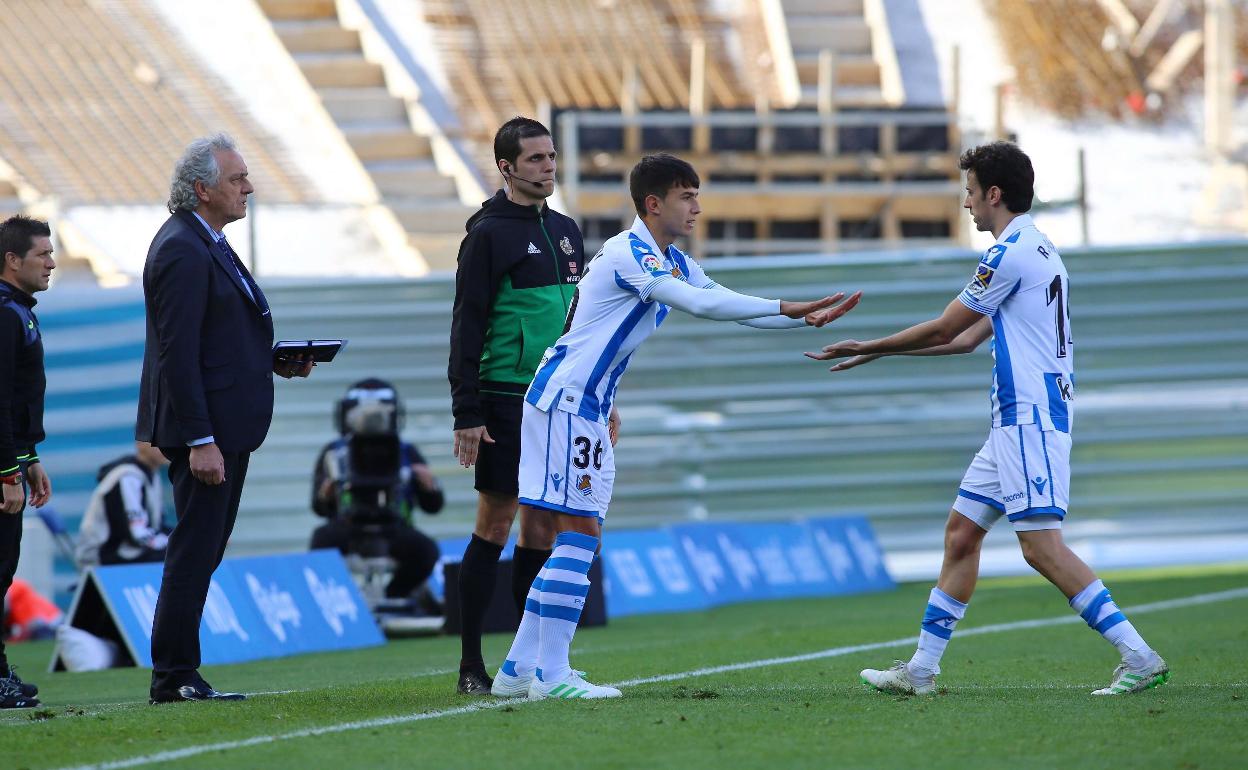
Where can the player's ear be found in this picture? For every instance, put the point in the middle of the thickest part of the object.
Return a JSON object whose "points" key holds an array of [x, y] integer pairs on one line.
{"points": [[993, 195], [653, 204]]}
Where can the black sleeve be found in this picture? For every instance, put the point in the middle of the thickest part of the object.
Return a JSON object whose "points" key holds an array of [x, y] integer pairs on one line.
{"points": [[11, 338], [476, 282], [320, 506], [179, 299]]}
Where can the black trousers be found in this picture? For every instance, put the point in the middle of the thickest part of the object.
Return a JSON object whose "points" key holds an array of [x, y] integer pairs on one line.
{"points": [[10, 550], [414, 552], [206, 517]]}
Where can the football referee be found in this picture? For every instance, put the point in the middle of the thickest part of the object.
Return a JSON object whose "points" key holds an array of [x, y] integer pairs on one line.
{"points": [[26, 246], [518, 268]]}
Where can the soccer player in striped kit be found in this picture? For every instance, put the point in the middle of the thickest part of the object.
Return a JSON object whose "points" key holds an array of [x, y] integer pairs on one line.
{"points": [[567, 465], [1019, 296]]}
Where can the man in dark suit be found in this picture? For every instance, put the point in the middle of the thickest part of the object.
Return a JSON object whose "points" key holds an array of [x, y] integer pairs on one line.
{"points": [[206, 398]]}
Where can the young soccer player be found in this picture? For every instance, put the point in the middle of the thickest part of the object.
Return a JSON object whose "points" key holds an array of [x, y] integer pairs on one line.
{"points": [[1019, 296], [567, 465]]}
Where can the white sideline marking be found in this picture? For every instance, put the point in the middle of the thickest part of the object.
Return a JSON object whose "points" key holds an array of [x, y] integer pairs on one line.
{"points": [[364, 724]]}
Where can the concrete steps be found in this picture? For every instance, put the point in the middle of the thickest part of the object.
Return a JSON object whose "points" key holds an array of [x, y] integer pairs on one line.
{"points": [[374, 123]]}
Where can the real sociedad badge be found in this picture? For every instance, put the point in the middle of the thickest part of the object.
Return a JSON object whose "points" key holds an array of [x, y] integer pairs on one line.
{"points": [[565, 243]]}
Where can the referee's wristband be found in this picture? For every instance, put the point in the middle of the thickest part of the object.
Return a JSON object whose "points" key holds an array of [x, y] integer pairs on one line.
{"points": [[13, 479]]}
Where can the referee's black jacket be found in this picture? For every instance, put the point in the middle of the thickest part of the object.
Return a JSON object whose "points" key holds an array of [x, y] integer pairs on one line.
{"points": [[518, 270], [22, 381]]}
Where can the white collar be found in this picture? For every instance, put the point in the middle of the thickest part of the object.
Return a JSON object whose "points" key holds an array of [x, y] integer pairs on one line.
{"points": [[1016, 224], [642, 232], [216, 236]]}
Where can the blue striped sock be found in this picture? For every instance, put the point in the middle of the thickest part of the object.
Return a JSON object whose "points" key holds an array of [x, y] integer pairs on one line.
{"points": [[522, 658], [1098, 610], [939, 619], [563, 595]]}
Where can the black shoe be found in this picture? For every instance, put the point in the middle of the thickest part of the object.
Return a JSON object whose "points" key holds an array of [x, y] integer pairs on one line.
{"points": [[201, 691], [26, 688], [474, 681], [12, 697]]}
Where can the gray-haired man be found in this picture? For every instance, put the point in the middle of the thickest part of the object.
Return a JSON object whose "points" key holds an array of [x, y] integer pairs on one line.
{"points": [[206, 397]]}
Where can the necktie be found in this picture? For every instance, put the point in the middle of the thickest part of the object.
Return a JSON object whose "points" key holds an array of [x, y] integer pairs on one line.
{"points": [[253, 290]]}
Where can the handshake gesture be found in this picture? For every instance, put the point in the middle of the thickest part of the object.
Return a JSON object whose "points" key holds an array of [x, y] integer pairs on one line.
{"points": [[821, 311]]}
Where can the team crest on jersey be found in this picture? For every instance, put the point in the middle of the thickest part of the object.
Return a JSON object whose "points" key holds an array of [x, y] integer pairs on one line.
{"points": [[992, 257], [583, 485], [565, 243], [676, 273]]}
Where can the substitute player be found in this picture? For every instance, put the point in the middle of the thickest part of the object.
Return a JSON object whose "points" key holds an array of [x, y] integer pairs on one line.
{"points": [[1020, 297], [567, 464]]}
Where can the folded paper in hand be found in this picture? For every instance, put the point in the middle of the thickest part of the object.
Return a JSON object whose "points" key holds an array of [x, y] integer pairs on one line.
{"points": [[321, 351]]}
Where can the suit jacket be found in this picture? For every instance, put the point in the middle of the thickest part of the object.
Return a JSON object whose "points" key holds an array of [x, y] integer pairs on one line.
{"points": [[208, 361]]}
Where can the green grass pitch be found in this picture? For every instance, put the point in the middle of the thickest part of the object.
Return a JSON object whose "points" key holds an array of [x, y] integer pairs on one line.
{"points": [[1012, 697]]}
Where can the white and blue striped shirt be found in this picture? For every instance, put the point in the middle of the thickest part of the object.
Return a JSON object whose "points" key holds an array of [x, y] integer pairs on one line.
{"points": [[1021, 283], [610, 317]]}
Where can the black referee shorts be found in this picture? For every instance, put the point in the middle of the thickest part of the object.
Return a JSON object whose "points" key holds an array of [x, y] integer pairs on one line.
{"points": [[498, 464]]}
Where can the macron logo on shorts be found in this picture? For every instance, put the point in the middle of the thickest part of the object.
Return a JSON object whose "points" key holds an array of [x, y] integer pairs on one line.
{"points": [[1040, 482], [556, 479]]}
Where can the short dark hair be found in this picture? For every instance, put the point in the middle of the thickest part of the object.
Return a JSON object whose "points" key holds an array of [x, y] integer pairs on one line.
{"points": [[507, 140], [655, 175], [18, 233], [1003, 165]]}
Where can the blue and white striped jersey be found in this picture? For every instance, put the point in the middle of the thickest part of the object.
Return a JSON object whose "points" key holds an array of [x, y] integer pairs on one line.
{"points": [[1021, 283], [611, 315]]}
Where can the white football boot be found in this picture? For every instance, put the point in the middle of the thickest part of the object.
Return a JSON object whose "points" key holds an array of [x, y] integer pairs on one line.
{"points": [[897, 680], [508, 686], [570, 687], [1127, 680]]}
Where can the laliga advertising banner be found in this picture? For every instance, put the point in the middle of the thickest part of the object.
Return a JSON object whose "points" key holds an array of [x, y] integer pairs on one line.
{"points": [[262, 607], [695, 566]]}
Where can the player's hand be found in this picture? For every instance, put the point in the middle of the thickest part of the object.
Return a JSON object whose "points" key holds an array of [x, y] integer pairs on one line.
{"points": [[837, 350], [855, 361], [207, 464], [14, 497], [824, 317], [40, 485], [468, 443], [613, 425]]}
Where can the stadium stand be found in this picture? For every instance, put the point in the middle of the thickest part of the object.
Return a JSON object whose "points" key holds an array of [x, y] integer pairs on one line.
{"points": [[741, 425], [376, 123], [99, 98]]}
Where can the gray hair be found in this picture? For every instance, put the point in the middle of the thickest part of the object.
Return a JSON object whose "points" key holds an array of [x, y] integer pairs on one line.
{"points": [[197, 164]]}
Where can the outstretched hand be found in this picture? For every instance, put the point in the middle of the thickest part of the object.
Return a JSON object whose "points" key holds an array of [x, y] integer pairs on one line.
{"points": [[850, 363], [837, 350], [821, 311]]}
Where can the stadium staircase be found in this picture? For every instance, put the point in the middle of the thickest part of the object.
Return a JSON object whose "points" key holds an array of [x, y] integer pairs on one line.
{"points": [[839, 26], [376, 124], [726, 422]]}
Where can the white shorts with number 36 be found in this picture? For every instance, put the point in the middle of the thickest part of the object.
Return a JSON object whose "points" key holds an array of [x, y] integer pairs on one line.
{"points": [[566, 463], [1023, 473]]}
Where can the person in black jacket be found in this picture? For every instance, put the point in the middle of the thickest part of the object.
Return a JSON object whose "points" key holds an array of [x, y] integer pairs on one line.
{"points": [[205, 394], [366, 483], [26, 248], [518, 268]]}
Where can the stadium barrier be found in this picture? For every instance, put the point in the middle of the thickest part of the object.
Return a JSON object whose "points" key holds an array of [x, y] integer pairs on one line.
{"points": [[261, 607], [689, 567]]}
